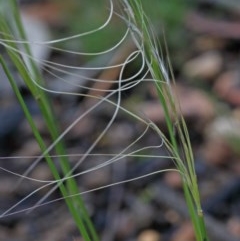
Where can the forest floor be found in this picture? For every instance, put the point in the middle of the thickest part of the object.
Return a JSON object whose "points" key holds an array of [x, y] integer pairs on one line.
{"points": [[150, 209]]}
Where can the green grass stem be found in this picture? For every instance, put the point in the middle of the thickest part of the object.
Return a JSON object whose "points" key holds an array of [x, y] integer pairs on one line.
{"points": [[184, 159], [28, 72]]}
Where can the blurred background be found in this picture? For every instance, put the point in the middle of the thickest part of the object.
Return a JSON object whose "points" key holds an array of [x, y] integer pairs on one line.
{"points": [[203, 40]]}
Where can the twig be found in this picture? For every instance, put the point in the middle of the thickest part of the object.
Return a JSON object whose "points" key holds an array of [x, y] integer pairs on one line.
{"points": [[218, 28]]}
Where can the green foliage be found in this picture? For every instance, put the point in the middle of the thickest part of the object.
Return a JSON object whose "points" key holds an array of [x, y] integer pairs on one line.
{"points": [[84, 15]]}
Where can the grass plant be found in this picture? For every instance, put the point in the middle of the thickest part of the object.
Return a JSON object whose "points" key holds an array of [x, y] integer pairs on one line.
{"points": [[182, 152], [28, 71], [152, 69]]}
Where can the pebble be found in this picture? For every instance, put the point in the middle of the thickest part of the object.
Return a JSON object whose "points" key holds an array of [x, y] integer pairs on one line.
{"points": [[126, 225], [216, 151], [220, 139], [184, 233], [226, 126], [5, 233], [173, 179], [42, 172], [98, 178], [140, 210], [227, 87], [195, 104], [30, 148], [235, 167], [120, 133], [233, 226], [149, 235], [208, 43], [153, 110], [6, 189], [82, 128], [205, 66], [172, 216], [78, 239]]}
